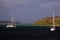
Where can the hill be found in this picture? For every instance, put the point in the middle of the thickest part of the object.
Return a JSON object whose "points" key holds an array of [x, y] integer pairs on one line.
{"points": [[8, 22], [48, 21]]}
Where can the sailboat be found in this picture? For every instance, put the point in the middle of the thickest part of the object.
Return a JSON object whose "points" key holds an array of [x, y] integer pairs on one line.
{"points": [[12, 24], [53, 26]]}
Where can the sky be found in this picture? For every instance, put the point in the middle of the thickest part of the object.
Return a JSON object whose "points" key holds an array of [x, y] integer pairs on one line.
{"points": [[28, 11]]}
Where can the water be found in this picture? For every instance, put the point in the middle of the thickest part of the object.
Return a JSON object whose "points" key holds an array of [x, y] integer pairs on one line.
{"points": [[29, 33]]}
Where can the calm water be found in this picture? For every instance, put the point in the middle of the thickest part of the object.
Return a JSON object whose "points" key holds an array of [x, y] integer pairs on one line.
{"points": [[29, 33]]}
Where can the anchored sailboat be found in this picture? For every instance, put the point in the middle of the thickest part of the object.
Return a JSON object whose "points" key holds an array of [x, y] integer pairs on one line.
{"points": [[53, 26], [12, 23]]}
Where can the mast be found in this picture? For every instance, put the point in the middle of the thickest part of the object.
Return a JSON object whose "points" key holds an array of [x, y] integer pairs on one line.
{"points": [[12, 19], [53, 20], [53, 26]]}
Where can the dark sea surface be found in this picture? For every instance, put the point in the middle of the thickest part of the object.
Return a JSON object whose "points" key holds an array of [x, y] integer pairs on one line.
{"points": [[29, 33]]}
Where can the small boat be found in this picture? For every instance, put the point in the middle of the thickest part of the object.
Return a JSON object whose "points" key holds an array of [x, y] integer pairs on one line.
{"points": [[12, 24], [53, 26]]}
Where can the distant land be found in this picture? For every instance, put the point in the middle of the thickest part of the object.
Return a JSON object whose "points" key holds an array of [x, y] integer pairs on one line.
{"points": [[8, 22], [48, 21]]}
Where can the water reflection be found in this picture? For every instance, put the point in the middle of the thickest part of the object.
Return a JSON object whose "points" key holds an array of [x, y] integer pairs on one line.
{"points": [[30, 33]]}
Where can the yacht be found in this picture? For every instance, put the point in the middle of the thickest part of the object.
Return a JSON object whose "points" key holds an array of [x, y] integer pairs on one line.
{"points": [[12, 24], [53, 26]]}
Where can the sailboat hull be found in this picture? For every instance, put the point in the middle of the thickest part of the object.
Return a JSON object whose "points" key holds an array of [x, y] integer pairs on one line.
{"points": [[52, 29], [10, 25]]}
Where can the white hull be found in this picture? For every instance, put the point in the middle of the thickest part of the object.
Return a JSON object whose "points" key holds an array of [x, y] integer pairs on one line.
{"points": [[52, 29], [10, 25]]}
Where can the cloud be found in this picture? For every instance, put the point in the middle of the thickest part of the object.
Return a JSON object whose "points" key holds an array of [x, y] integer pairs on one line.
{"points": [[13, 2], [28, 10], [51, 5], [47, 4]]}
